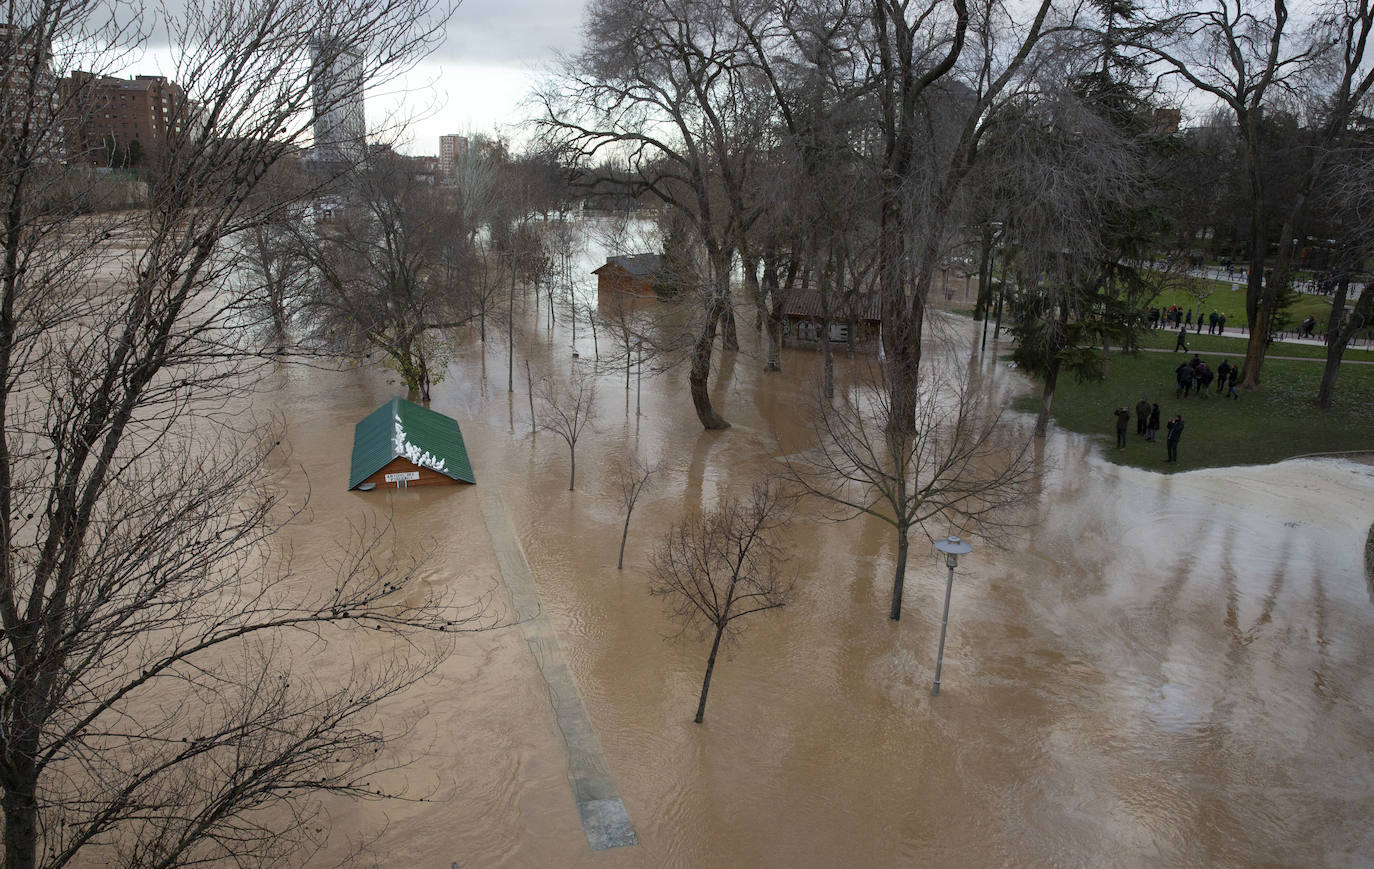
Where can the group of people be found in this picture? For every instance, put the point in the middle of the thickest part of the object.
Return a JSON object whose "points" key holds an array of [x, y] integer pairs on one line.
{"points": [[1197, 376], [1147, 426], [1174, 317]]}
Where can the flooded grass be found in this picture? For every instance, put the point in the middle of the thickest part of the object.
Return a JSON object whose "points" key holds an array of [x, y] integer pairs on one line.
{"points": [[1278, 421]]}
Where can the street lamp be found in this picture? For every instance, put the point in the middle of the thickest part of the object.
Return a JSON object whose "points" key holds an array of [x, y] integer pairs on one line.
{"points": [[952, 547], [639, 371]]}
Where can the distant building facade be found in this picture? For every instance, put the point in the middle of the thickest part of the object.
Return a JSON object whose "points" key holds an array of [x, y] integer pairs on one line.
{"points": [[451, 149], [1166, 121], [124, 122], [21, 58], [337, 96]]}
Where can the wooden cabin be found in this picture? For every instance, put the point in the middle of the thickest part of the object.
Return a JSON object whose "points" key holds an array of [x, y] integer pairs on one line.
{"points": [[632, 275], [402, 444], [805, 319]]}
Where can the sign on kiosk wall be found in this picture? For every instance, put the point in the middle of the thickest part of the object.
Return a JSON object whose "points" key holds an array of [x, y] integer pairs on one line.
{"points": [[402, 478]]}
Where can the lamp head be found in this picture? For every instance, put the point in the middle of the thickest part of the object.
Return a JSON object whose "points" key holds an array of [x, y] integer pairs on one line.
{"points": [[952, 547]]}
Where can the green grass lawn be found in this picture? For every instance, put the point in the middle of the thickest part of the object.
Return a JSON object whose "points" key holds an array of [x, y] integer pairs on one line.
{"points": [[1276, 422], [1228, 297]]}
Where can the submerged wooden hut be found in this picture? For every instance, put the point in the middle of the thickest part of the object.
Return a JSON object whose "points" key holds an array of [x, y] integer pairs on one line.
{"points": [[402, 444]]}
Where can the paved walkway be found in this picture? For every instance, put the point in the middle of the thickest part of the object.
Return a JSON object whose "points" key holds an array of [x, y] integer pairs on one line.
{"points": [[604, 819], [1267, 356]]}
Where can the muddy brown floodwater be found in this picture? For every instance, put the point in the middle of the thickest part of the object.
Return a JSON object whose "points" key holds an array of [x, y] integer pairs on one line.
{"points": [[1166, 670]]}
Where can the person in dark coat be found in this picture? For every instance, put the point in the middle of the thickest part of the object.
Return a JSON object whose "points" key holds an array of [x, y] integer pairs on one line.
{"points": [[1203, 378], [1221, 324], [1223, 372], [1152, 426], [1231, 382], [1142, 415], [1123, 419], [1175, 432], [1188, 318], [1184, 374], [1182, 340], [1212, 319]]}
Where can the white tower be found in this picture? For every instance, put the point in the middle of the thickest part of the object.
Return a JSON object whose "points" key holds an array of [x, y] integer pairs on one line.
{"points": [[340, 123]]}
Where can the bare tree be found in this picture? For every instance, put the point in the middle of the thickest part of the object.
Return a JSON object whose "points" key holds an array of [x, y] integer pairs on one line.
{"points": [[392, 273], [959, 467], [716, 568], [667, 84], [151, 713], [567, 412], [632, 477]]}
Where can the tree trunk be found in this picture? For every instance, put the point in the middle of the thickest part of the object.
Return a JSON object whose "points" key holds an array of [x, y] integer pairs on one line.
{"points": [[1042, 421], [572, 466], [21, 817], [624, 535], [899, 579], [1338, 335], [510, 338], [775, 314], [529, 380], [729, 332], [701, 371], [710, 665]]}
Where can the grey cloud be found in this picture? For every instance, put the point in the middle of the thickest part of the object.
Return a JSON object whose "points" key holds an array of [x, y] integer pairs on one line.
{"points": [[520, 33]]}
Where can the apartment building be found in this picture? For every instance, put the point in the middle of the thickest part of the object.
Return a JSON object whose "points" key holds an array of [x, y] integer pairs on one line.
{"points": [[451, 149], [125, 122]]}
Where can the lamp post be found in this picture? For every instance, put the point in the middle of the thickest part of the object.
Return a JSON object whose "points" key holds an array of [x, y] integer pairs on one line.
{"points": [[992, 264], [639, 371], [952, 547]]}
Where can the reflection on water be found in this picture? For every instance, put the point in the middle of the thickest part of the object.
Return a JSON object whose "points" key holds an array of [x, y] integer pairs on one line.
{"points": [[1167, 670]]}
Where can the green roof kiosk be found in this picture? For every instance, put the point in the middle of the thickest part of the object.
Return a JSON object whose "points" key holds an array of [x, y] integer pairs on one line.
{"points": [[402, 444]]}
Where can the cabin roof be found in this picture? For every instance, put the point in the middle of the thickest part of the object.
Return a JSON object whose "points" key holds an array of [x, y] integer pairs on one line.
{"points": [[402, 429], [806, 303], [639, 264]]}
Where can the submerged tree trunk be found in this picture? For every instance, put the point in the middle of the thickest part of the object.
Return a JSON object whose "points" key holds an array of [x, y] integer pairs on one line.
{"points": [[729, 332], [899, 578], [1042, 421], [624, 535], [776, 318], [710, 666]]}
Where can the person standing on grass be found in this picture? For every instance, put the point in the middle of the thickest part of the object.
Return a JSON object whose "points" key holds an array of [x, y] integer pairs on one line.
{"points": [[1123, 419], [1184, 375], [1142, 414], [1223, 374], [1182, 340], [1152, 427], [1212, 322], [1204, 380], [1231, 382], [1171, 441]]}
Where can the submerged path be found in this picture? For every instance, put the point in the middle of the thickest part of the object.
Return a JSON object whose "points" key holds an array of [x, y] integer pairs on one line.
{"points": [[604, 819]]}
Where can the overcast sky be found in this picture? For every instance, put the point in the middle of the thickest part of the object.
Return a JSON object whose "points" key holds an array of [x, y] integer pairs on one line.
{"points": [[474, 82]]}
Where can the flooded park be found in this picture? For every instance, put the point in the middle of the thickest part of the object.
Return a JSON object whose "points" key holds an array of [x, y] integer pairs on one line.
{"points": [[1162, 670]]}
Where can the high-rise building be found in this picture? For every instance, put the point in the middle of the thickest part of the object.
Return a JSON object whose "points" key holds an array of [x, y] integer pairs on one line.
{"points": [[340, 120], [124, 122], [21, 60], [451, 149]]}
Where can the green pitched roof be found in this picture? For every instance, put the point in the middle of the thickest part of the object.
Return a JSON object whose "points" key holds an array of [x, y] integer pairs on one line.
{"points": [[400, 428]]}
